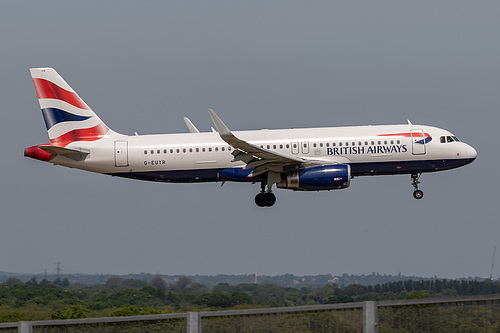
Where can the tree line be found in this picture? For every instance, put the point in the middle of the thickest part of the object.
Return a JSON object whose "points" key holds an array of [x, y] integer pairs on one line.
{"points": [[60, 299]]}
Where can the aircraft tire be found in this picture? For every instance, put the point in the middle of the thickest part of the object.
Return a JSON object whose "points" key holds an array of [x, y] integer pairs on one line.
{"points": [[418, 194], [258, 199], [268, 199]]}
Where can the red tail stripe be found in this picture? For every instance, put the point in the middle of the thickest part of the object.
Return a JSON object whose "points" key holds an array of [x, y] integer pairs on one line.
{"points": [[47, 89], [86, 134]]}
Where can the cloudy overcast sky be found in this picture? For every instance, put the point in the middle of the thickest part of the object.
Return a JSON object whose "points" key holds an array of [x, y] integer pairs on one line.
{"points": [[144, 65]]}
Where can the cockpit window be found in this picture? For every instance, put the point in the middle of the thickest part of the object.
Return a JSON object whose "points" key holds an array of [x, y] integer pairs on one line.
{"points": [[449, 138]]}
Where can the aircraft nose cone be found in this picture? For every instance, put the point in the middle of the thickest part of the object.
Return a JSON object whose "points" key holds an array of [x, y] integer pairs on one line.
{"points": [[471, 152]]}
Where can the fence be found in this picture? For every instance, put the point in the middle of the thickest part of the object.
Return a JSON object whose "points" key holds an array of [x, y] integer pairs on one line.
{"points": [[457, 314]]}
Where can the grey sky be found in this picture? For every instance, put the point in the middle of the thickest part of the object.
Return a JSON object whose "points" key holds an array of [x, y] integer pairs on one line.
{"points": [[142, 66]]}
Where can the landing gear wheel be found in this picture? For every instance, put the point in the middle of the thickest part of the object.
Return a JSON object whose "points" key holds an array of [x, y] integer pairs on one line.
{"points": [[268, 199], [418, 194], [265, 199], [258, 199]]}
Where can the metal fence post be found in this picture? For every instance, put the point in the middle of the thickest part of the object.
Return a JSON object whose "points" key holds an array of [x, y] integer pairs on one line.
{"points": [[193, 322], [370, 317], [24, 327]]}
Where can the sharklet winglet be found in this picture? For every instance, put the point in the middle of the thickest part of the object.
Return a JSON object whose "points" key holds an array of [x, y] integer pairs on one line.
{"points": [[190, 125]]}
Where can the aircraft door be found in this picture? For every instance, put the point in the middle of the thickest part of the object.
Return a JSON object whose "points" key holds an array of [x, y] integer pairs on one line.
{"points": [[121, 153], [295, 148], [305, 147], [417, 142]]}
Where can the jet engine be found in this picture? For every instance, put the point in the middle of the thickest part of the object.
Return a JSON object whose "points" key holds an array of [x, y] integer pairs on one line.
{"points": [[317, 178]]}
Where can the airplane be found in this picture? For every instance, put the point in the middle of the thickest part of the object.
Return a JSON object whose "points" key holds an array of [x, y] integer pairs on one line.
{"points": [[299, 159]]}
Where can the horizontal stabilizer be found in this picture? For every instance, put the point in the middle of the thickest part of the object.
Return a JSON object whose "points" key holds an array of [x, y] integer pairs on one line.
{"points": [[65, 151], [76, 154]]}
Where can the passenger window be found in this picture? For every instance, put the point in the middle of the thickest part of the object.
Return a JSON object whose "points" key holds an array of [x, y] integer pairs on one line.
{"points": [[294, 145], [347, 143], [274, 146], [359, 143], [373, 142], [184, 150], [203, 150], [314, 145], [152, 151], [340, 144], [268, 147], [327, 144], [281, 146], [321, 144], [392, 142], [366, 143], [197, 150], [158, 151], [379, 142], [178, 151], [385, 142], [190, 150], [164, 151], [216, 148], [145, 152], [171, 151], [223, 148], [287, 146], [354, 143], [398, 142], [210, 149]]}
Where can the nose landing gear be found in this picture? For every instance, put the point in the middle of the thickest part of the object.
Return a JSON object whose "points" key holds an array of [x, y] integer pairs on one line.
{"points": [[417, 194]]}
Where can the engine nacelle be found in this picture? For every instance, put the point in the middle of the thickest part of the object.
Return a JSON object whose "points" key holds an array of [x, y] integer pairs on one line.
{"points": [[323, 177]]}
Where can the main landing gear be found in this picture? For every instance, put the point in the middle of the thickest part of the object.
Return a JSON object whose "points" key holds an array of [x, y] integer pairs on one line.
{"points": [[417, 194], [265, 198]]}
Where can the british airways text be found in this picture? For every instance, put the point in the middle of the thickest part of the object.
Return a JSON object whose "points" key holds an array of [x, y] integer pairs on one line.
{"points": [[367, 150]]}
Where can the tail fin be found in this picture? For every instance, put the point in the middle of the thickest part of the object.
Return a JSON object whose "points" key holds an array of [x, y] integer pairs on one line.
{"points": [[66, 115]]}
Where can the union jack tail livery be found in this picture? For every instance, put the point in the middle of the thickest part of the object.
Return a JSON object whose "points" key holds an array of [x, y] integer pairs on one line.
{"points": [[67, 117]]}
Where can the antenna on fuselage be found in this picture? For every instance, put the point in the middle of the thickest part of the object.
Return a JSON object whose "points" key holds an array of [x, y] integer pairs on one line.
{"points": [[409, 122]]}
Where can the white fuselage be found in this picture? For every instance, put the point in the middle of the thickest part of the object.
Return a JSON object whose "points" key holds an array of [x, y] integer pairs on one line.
{"points": [[195, 157]]}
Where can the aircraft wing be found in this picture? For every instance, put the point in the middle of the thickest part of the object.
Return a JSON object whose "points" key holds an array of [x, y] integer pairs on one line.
{"points": [[260, 159]]}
